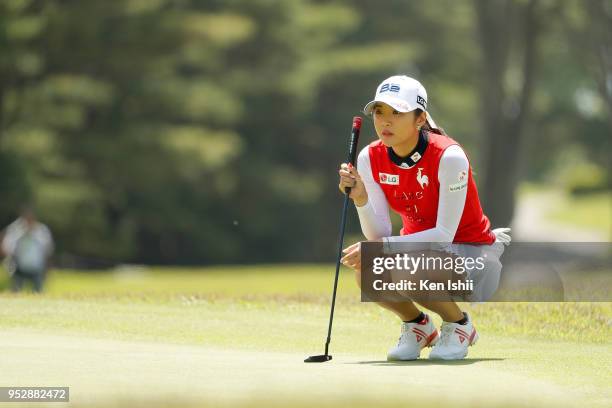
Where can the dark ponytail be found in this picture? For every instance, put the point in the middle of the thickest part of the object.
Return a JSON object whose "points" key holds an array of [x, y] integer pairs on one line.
{"points": [[427, 126]]}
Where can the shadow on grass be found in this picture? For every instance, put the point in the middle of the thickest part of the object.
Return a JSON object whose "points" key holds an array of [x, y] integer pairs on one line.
{"points": [[425, 362]]}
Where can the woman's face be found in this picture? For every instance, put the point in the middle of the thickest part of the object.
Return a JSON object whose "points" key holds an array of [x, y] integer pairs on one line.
{"points": [[392, 127]]}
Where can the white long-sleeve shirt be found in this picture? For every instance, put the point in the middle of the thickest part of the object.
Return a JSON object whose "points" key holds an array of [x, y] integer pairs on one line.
{"points": [[374, 215], [28, 246]]}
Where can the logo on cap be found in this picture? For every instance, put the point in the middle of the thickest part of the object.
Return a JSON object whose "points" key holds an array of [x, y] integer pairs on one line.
{"points": [[390, 88], [421, 101]]}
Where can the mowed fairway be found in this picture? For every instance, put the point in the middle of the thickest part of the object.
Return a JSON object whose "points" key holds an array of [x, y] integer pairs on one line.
{"points": [[238, 337]]}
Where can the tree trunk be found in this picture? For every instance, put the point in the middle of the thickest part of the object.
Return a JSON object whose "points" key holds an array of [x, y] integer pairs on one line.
{"points": [[503, 114], [1, 114], [600, 39]]}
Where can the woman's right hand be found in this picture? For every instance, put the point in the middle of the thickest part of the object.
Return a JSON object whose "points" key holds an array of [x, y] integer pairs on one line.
{"points": [[350, 178]]}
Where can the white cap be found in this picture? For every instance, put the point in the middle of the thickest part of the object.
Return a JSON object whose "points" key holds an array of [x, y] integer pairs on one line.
{"points": [[403, 93]]}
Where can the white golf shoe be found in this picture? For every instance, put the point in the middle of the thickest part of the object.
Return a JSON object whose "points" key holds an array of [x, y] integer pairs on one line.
{"points": [[414, 337], [454, 341]]}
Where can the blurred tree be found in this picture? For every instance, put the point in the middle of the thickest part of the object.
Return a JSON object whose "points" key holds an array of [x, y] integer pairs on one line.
{"points": [[185, 131], [508, 32], [599, 50], [567, 140], [20, 65]]}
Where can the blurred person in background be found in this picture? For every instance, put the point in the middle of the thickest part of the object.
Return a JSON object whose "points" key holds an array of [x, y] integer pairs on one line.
{"points": [[28, 246]]}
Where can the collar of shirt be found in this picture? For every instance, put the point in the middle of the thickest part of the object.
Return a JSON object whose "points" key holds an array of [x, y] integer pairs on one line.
{"points": [[414, 156]]}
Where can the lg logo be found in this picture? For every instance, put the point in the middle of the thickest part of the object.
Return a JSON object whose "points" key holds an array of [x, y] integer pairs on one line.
{"points": [[391, 179], [421, 101]]}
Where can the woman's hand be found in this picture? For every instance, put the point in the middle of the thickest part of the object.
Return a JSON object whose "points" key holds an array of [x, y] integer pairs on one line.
{"points": [[350, 178], [352, 256]]}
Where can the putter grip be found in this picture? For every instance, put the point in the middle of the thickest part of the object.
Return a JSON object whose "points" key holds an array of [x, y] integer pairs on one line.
{"points": [[354, 140]]}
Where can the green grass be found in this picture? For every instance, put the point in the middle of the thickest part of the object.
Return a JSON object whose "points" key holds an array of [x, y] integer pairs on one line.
{"points": [[236, 336], [593, 211], [589, 211]]}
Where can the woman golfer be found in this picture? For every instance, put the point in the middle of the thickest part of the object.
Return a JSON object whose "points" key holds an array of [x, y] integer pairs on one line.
{"points": [[426, 178]]}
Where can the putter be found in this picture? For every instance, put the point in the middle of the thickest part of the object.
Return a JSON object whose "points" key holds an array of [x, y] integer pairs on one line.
{"points": [[351, 159]]}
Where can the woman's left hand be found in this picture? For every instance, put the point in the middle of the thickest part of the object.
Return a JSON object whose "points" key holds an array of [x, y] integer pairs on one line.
{"points": [[352, 255]]}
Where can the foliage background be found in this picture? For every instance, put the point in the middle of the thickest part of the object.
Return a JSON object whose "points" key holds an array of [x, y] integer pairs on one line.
{"points": [[203, 132]]}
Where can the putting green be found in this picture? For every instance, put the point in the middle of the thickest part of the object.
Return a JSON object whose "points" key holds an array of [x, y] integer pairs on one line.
{"points": [[193, 339], [107, 372]]}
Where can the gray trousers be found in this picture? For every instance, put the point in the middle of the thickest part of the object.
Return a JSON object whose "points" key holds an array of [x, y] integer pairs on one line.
{"points": [[19, 278]]}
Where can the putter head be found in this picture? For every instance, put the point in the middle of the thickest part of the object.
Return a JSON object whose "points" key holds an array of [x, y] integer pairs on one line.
{"points": [[318, 359]]}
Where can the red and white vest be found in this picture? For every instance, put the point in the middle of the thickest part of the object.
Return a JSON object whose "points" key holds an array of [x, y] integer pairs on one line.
{"points": [[414, 192]]}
